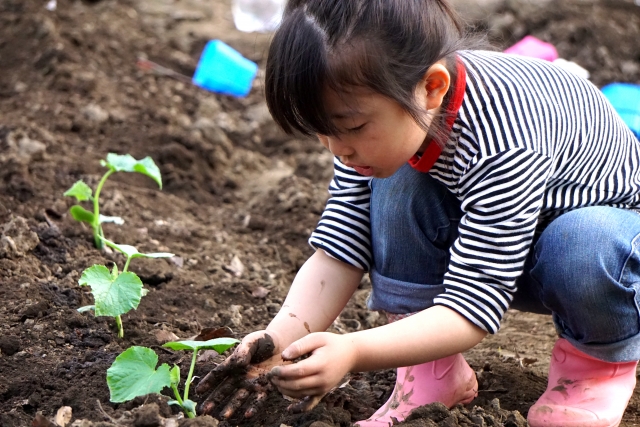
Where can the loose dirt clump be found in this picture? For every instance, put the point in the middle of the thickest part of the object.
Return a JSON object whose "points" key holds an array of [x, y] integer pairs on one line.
{"points": [[238, 203]]}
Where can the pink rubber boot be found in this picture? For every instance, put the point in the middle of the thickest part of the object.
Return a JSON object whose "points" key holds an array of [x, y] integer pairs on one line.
{"points": [[583, 391], [449, 380]]}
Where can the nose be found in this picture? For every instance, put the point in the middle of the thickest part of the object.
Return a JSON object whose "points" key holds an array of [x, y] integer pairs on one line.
{"points": [[337, 146]]}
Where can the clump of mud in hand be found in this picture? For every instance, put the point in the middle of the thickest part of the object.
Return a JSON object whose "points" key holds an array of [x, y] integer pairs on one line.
{"points": [[263, 349], [235, 379]]}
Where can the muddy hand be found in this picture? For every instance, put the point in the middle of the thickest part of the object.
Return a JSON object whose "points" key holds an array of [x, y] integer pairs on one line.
{"points": [[241, 377]]}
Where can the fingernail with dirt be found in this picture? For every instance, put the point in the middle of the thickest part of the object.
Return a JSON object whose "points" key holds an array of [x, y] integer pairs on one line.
{"points": [[275, 372]]}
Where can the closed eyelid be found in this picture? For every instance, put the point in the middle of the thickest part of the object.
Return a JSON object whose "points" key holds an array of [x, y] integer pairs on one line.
{"points": [[357, 127]]}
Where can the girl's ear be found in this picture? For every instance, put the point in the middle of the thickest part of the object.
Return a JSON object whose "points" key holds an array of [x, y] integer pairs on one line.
{"points": [[434, 85]]}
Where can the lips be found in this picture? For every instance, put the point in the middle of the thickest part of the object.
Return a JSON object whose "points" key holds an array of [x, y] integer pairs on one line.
{"points": [[363, 170]]}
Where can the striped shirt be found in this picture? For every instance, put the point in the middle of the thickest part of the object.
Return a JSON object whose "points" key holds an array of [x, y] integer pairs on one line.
{"points": [[530, 141]]}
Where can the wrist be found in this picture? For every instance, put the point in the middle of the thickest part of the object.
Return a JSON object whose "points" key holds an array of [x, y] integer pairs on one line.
{"points": [[353, 356], [287, 329]]}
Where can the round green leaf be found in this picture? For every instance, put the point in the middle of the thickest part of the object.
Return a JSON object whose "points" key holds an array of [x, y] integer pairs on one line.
{"points": [[134, 374], [113, 297], [220, 345], [126, 163], [120, 162], [80, 191], [148, 167]]}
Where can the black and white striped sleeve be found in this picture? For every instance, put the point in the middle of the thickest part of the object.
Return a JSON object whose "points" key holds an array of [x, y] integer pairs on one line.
{"points": [[343, 231], [502, 197]]}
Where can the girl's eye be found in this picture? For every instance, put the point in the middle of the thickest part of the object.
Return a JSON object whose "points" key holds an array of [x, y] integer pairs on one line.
{"points": [[356, 129]]}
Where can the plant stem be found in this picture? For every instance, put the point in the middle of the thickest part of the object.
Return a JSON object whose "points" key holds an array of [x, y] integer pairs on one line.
{"points": [[119, 324], [97, 227], [181, 402], [191, 368], [126, 264]]}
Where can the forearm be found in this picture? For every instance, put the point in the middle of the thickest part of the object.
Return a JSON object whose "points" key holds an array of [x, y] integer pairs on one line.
{"points": [[321, 289], [428, 335]]}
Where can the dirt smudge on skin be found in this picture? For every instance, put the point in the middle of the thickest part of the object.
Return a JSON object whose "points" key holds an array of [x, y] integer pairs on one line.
{"points": [[264, 349]]}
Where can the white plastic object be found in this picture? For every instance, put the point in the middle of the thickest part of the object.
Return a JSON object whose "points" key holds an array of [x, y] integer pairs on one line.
{"points": [[257, 15], [572, 67]]}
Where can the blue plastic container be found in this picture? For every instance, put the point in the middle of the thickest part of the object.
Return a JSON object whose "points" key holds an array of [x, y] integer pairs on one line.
{"points": [[224, 70], [625, 98]]}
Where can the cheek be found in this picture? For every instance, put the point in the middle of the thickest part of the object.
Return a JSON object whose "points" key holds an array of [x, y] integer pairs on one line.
{"points": [[324, 141]]}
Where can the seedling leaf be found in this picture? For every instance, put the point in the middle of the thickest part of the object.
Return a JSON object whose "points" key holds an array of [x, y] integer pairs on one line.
{"points": [[189, 405], [147, 167], [114, 219], [113, 297], [81, 214], [86, 308], [175, 375], [220, 345], [126, 163], [132, 252], [134, 374], [81, 191]]}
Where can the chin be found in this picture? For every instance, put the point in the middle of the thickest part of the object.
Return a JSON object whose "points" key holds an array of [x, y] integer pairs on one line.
{"points": [[382, 174]]}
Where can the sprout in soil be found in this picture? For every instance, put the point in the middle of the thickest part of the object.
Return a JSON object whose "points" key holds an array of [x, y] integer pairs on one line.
{"points": [[134, 372], [115, 293], [82, 192]]}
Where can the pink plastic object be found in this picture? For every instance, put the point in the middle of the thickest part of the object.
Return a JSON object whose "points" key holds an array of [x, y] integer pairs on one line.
{"points": [[583, 391], [449, 380], [535, 48]]}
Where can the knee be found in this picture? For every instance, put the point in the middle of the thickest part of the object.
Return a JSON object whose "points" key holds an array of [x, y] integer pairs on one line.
{"points": [[579, 255], [412, 207], [583, 237]]}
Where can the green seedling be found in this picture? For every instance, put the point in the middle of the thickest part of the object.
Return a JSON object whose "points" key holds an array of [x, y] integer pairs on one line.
{"points": [[82, 192], [116, 293], [134, 372]]}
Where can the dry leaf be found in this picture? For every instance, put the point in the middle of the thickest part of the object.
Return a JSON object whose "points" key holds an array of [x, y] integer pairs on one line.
{"points": [[63, 416], [164, 336], [177, 260], [236, 266]]}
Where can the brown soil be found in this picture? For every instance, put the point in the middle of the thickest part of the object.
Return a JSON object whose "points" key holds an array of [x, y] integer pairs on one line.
{"points": [[238, 203]]}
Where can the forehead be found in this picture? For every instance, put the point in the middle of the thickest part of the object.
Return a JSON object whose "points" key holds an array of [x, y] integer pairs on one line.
{"points": [[349, 103]]}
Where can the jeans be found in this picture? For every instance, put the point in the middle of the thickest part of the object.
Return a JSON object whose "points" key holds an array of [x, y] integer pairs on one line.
{"points": [[583, 269]]}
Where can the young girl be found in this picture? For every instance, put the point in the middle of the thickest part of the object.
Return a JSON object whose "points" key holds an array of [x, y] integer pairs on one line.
{"points": [[466, 182]]}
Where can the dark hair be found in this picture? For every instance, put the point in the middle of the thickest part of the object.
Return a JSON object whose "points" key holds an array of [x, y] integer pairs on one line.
{"points": [[382, 45]]}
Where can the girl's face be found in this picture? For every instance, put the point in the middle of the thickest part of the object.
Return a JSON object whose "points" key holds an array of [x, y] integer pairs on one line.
{"points": [[376, 135]]}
